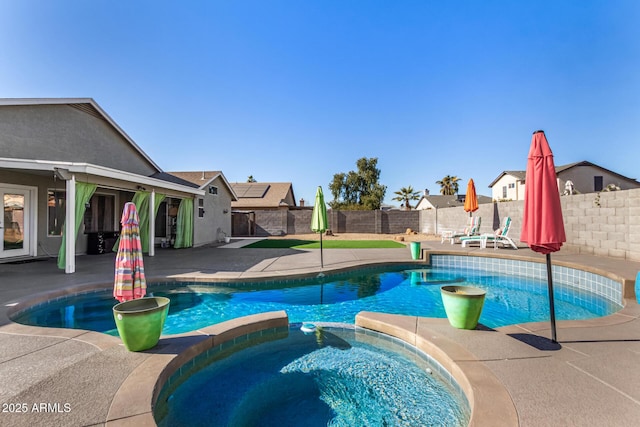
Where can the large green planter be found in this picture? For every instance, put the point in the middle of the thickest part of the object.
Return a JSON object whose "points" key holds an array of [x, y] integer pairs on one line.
{"points": [[463, 305], [140, 321], [415, 250]]}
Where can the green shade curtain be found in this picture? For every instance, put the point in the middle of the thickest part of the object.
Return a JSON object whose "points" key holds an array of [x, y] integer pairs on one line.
{"points": [[184, 226], [143, 214], [84, 191], [141, 200]]}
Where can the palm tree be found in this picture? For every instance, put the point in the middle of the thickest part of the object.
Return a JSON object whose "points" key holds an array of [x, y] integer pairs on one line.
{"points": [[406, 194], [448, 185]]}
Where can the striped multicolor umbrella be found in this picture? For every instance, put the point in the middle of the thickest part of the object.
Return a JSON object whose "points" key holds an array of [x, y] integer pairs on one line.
{"points": [[130, 282]]}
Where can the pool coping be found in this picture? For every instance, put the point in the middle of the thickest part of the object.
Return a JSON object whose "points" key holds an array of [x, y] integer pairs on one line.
{"points": [[135, 400], [630, 311], [627, 285], [486, 395]]}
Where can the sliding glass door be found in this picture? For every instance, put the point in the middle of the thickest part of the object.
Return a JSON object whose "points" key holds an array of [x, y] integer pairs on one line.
{"points": [[15, 222]]}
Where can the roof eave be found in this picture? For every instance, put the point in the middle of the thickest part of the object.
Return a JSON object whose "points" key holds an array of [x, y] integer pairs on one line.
{"points": [[91, 169]]}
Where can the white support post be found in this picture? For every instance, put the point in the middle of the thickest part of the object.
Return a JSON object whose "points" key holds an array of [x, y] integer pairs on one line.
{"points": [[70, 227], [152, 223]]}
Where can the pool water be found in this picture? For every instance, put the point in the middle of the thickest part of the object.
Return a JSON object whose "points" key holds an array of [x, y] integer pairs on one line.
{"points": [[334, 377], [333, 298]]}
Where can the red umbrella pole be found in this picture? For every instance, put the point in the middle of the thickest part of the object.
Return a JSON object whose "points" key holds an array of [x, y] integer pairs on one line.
{"points": [[552, 309]]}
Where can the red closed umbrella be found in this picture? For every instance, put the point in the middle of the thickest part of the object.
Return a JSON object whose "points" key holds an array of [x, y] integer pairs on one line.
{"points": [[542, 223]]}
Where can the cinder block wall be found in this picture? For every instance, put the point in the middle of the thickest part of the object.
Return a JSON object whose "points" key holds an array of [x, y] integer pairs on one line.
{"points": [[606, 223], [271, 222], [299, 221]]}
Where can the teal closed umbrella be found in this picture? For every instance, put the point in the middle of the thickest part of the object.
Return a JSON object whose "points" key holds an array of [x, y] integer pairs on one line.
{"points": [[319, 218]]}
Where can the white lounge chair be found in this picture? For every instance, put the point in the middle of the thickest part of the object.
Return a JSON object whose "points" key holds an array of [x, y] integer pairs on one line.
{"points": [[500, 236], [472, 229]]}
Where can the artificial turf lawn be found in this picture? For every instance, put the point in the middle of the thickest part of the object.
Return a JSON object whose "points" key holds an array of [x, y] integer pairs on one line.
{"points": [[326, 244]]}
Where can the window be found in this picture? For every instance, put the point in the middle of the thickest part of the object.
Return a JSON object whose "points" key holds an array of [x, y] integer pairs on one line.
{"points": [[597, 183], [56, 205], [200, 208], [100, 213], [504, 192], [512, 185], [213, 190]]}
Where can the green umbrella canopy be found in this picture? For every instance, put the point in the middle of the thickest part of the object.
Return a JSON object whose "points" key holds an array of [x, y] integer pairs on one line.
{"points": [[319, 216]]}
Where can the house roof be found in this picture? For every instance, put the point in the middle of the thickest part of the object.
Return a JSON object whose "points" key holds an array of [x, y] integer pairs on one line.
{"points": [[156, 181], [520, 175], [89, 106], [165, 176], [262, 194], [202, 179], [586, 163], [455, 200]]}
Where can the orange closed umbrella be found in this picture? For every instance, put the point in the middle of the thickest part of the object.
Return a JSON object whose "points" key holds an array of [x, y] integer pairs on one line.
{"points": [[471, 199], [542, 223]]}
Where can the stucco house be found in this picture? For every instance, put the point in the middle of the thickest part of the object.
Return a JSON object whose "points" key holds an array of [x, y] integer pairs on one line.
{"points": [[217, 204], [261, 208], [573, 178], [66, 161]]}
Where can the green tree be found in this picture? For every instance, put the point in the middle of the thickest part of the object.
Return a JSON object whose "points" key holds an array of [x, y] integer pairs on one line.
{"points": [[250, 178], [406, 195], [448, 185], [358, 190]]}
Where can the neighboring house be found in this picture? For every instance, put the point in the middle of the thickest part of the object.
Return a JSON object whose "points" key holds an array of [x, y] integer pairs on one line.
{"points": [[216, 204], [261, 208], [433, 202], [577, 178], [67, 160], [508, 186]]}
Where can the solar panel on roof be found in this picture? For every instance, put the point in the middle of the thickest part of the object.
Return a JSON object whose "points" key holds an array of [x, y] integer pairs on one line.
{"points": [[257, 190], [253, 190]]}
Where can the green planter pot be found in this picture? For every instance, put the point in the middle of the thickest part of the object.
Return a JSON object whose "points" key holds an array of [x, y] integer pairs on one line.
{"points": [[415, 250], [463, 305], [140, 321]]}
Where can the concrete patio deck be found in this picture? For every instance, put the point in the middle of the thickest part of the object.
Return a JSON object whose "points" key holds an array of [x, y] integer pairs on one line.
{"points": [[78, 378]]}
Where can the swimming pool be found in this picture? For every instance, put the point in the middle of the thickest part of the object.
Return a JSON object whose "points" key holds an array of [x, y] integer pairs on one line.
{"points": [[336, 376], [511, 298]]}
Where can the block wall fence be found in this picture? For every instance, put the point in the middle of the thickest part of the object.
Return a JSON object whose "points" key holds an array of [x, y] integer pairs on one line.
{"points": [[606, 223]]}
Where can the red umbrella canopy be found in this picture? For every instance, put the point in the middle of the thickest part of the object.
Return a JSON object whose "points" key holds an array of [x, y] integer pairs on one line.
{"points": [[471, 199], [542, 223]]}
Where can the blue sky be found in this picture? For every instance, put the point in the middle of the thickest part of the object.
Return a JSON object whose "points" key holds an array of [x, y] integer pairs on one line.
{"points": [[296, 91]]}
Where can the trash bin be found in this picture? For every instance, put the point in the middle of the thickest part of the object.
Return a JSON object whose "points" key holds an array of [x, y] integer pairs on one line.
{"points": [[415, 250]]}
